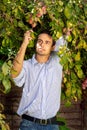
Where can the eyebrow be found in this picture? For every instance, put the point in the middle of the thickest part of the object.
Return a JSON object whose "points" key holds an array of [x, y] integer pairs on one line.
{"points": [[39, 39], [42, 40]]}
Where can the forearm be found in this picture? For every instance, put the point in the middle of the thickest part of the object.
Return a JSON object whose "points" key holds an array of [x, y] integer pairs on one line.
{"points": [[18, 61]]}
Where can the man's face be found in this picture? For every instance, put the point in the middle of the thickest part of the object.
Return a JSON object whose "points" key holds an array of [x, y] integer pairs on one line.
{"points": [[44, 44]]}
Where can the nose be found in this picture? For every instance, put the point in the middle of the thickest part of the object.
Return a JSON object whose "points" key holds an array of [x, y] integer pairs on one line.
{"points": [[42, 43]]}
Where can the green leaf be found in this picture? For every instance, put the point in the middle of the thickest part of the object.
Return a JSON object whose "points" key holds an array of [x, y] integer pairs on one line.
{"points": [[21, 24], [5, 42], [1, 62], [68, 90], [68, 103], [31, 44], [1, 108], [80, 73], [74, 89], [79, 93], [5, 68], [68, 11], [69, 38], [7, 85], [77, 57], [63, 128], [9, 63], [1, 75], [73, 76], [3, 126], [63, 97], [85, 10], [2, 7]]}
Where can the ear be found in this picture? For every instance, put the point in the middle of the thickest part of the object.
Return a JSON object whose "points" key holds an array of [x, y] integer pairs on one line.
{"points": [[53, 47]]}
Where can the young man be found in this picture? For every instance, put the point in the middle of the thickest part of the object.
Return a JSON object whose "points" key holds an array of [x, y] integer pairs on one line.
{"points": [[41, 78]]}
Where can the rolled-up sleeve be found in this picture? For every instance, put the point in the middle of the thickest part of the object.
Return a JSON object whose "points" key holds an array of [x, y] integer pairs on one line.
{"points": [[20, 79]]}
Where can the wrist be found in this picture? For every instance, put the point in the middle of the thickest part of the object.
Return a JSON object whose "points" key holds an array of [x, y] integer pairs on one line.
{"points": [[24, 44]]}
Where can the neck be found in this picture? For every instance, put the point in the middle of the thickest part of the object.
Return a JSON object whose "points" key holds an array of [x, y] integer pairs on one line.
{"points": [[42, 58]]}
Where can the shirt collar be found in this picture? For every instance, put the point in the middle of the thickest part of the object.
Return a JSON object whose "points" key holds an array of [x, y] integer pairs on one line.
{"points": [[34, 61]]}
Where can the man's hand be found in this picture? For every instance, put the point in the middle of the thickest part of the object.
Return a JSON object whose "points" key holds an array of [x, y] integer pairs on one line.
{"points": [[18, 61], [27, 37]]}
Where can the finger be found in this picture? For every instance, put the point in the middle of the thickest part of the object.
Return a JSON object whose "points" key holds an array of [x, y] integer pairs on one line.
{"points": [[29, 31]]}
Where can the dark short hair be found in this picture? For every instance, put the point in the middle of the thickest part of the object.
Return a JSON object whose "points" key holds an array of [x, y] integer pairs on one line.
{"points": [[48, 33]]}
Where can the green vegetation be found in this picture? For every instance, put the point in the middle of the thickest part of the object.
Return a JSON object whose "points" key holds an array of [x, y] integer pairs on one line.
{"points": [[61, 17]]}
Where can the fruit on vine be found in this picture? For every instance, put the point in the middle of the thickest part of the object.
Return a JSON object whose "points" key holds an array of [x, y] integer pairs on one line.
{"points": [[34, 25], [39, 12], [44, 9], [31, 20]]}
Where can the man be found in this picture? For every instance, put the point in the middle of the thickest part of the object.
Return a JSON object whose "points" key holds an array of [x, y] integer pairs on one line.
{"points": [[41, 78]]}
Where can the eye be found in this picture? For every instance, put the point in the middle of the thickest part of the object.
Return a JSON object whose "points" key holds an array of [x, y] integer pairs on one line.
{"points": [[47, 42], [39, 41]]}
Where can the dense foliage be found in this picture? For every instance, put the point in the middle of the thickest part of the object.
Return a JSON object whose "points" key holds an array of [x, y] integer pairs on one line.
{"points": [[66, 18], [3, 124]]}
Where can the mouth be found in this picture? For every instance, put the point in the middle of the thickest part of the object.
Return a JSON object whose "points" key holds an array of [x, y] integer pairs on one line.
{"points": [[40, 49]]}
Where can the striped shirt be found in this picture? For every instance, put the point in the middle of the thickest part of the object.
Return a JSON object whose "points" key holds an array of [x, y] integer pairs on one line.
{"points": [[41, 87]]}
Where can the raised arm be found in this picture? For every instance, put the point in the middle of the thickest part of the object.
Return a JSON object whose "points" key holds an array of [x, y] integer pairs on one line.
{"points": [[18, 61]]}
